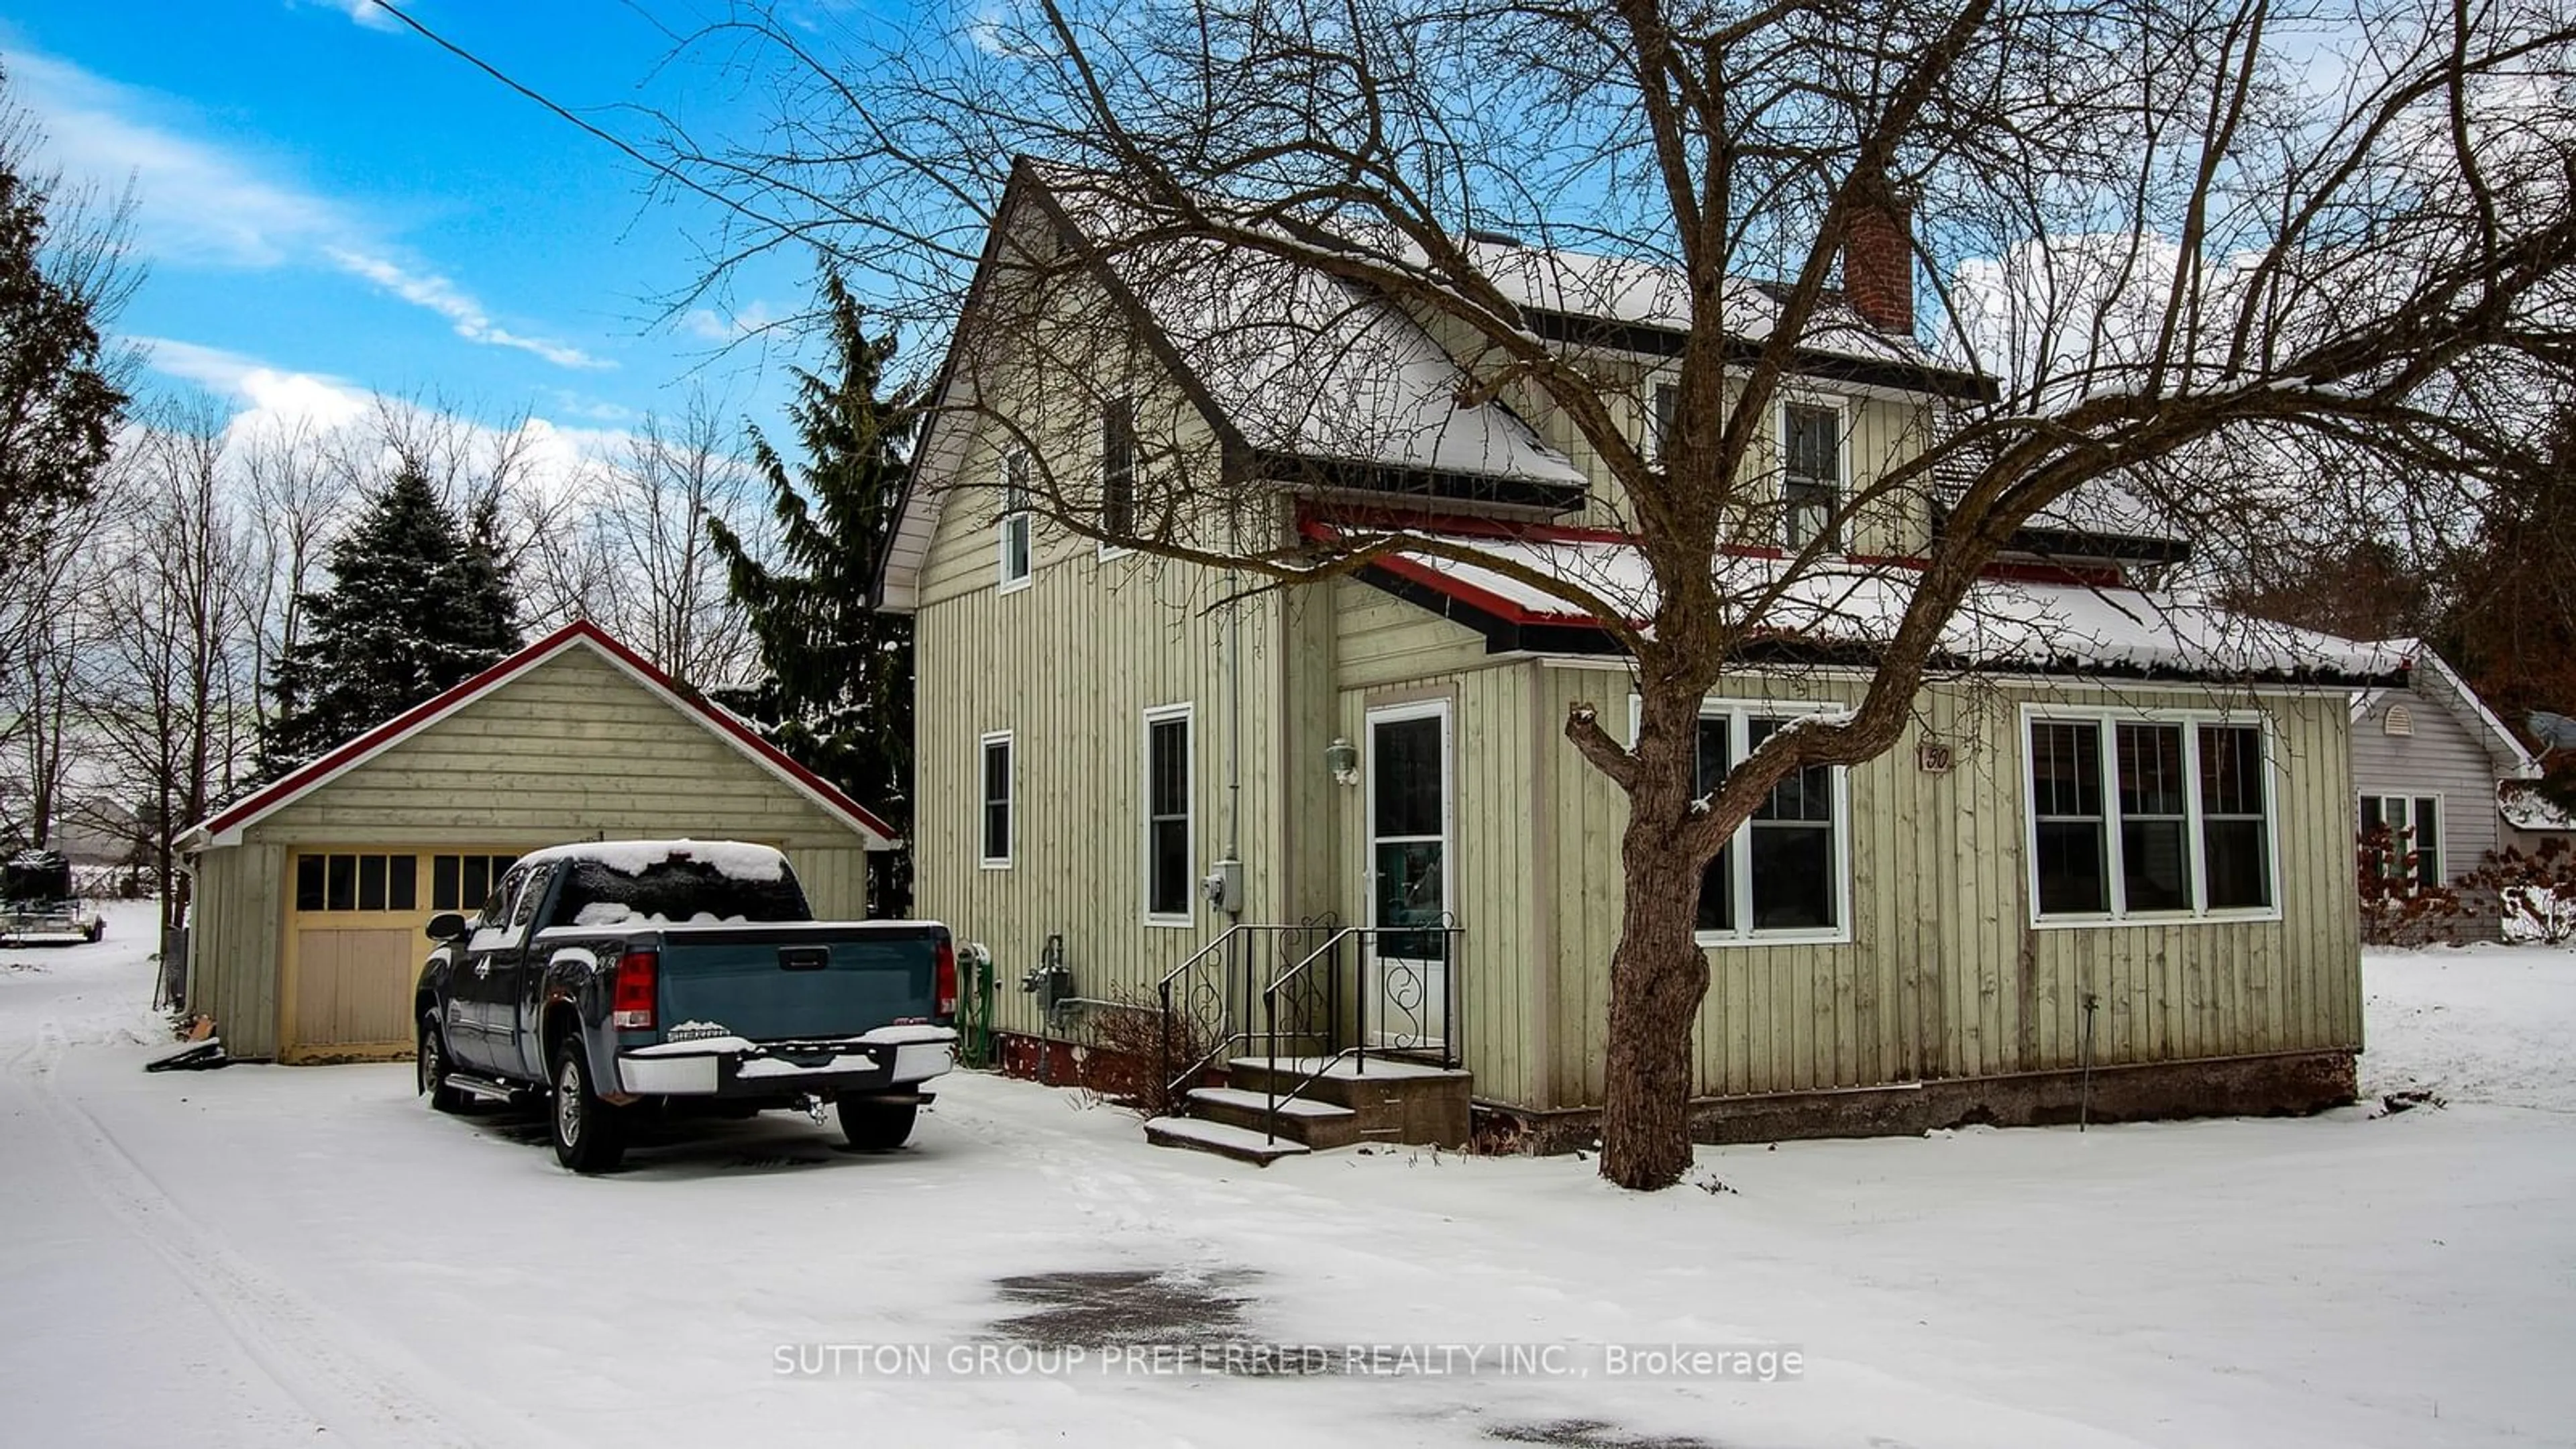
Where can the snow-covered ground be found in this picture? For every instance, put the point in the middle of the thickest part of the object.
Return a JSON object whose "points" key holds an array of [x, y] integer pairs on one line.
{"points": [[267, 1255]]}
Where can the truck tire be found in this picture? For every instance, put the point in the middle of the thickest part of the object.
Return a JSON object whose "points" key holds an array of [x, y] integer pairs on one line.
{"points": [[589, 1134], [443, 1096], [875, 1126]]}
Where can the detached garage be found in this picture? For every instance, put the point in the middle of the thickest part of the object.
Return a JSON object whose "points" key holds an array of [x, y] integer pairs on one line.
{"points": [[311, 894]]}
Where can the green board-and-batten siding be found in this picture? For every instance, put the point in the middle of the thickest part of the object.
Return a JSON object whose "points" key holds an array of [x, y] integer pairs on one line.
{"points": [[572, 749]]}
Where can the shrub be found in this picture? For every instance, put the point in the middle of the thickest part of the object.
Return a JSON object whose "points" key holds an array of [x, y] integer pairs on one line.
{"points": [[2396, 908], [2538, 888]]}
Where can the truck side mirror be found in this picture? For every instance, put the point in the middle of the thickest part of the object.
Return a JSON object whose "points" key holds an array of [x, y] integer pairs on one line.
{"points": [[446, 926]]}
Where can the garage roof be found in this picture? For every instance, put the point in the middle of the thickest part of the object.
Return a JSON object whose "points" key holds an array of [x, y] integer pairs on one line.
{"points": [[226, 826]]}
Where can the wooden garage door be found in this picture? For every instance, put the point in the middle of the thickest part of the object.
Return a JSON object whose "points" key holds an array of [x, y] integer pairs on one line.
{"points": [[353, 927]]}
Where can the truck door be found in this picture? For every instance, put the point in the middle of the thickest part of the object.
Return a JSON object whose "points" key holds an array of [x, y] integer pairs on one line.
{"points": [[488, 941], [517, 970]]}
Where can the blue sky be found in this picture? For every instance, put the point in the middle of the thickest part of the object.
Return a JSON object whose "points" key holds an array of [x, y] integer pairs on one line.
{"points": [[332, 205]]}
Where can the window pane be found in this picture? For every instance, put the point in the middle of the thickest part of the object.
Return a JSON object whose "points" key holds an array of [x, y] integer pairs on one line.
{"points": [[1169, 768], [477, 883], [1169, 890], [2071, 879], [2234, 834], [2155, 865], [2371, 819], [1793, 877], [2231, 770], [2151, 777], [1407, 784], [997, 770], [1659, 428], [997, 831], [1804, 794], [2066, 799], [2427, 843], [308, 882], [2066, 769], [444, 894], [1716, 909], [402, 883], [1815, 443], [340, 884], [1118, 466], [371, 882], [2240, 874]]}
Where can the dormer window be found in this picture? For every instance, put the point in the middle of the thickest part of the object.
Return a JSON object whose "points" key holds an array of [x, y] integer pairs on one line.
{"points": [[1811, 482]]}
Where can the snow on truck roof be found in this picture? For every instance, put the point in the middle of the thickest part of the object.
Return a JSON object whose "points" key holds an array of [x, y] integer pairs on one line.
{"points": [[732, 859]]}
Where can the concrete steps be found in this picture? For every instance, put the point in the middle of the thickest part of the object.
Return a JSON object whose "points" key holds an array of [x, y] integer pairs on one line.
{"points": [[1241, 1144]]}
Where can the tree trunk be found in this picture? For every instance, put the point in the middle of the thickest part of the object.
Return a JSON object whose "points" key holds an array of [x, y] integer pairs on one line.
{"points": [[1657, 979]]}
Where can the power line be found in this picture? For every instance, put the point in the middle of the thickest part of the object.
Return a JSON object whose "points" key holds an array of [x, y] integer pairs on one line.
{"points": [[658, 167]]}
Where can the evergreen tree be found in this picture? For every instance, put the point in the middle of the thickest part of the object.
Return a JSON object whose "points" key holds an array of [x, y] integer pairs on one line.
{"points": [[836, 691], [416, 605]]}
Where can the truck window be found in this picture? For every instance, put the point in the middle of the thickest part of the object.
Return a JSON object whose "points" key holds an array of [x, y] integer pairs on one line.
{"points": [[675, 892], [498, 905], [532, 889]]}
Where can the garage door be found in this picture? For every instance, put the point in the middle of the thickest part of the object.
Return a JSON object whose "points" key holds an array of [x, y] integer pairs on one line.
{"points": [[353, 924]]}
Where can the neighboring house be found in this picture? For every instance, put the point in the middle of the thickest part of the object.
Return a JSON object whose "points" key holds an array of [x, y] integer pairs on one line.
{"points": [[311, 893], [2427, 761], [2531, 818], [2121, 843]]}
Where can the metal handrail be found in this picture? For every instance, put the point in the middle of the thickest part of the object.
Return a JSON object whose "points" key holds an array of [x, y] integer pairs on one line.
{"points": [[1450, 1027]]}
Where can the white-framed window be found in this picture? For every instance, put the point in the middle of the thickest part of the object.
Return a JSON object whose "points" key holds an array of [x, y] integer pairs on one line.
{"points": [[1013, 530], [2414, 826], [1169, 850], [996, 823], [2154, 815], [1811, 470], [1664, 405], [1786, 873], [1117, 472]]}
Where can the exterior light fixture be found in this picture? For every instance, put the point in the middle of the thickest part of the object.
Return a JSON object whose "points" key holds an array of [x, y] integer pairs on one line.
{"points": [[1344, 759]]}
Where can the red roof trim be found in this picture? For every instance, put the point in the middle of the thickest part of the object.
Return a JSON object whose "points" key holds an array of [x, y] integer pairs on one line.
{"points": [[305, 777]]}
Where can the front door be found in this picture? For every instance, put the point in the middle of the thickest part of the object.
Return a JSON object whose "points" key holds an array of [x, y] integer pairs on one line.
{"points": [[1410, 897]]}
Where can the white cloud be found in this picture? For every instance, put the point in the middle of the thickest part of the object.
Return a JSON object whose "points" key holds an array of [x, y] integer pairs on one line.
{"points": [[206, 205], [366, 12], [466, 315], [704, 322], [267, 395], [276, 401]]}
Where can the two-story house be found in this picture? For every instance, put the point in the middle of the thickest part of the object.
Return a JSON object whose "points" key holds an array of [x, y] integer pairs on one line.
{"points": [[2107, 871]]}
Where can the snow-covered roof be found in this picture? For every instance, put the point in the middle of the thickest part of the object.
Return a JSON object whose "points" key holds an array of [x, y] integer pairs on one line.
{"points": [[2525, 808], [2432, 677], [2006, 623], [1300, 364], [225, 827]]}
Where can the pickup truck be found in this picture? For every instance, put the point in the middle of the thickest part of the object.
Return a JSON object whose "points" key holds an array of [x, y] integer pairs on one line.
{"points": [[671, 977]]}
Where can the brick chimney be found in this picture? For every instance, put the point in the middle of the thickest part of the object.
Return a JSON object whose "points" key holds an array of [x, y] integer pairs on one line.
{"points": [[1878, 259]]}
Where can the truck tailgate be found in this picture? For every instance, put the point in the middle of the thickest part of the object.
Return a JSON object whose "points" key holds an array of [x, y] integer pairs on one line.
{"points": [[798, 982]]}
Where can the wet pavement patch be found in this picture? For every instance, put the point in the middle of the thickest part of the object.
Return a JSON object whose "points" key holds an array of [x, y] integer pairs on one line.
{"points": [[1119, 1307], [1593, 1434]]}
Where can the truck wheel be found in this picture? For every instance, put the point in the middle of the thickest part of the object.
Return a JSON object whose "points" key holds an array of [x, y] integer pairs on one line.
{"points": [[96, 930], [874, 1126], [443, 1096], [590, 1135]]}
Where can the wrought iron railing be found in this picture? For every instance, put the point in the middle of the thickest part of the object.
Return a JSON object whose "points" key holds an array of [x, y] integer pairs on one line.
{"points": [[1405, 991], [1211, 1001]]}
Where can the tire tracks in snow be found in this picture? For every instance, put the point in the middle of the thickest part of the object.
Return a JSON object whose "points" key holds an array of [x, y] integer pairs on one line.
{"points": [[315, 1358]]}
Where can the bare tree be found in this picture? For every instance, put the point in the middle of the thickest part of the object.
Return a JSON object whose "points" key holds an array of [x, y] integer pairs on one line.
{"points": [[299, 480], [2164, 246], [665, 586], [171, 702]]}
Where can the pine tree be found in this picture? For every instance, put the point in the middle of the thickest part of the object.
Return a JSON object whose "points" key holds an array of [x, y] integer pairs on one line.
{"points": [[836, 692], [416, 605]]}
